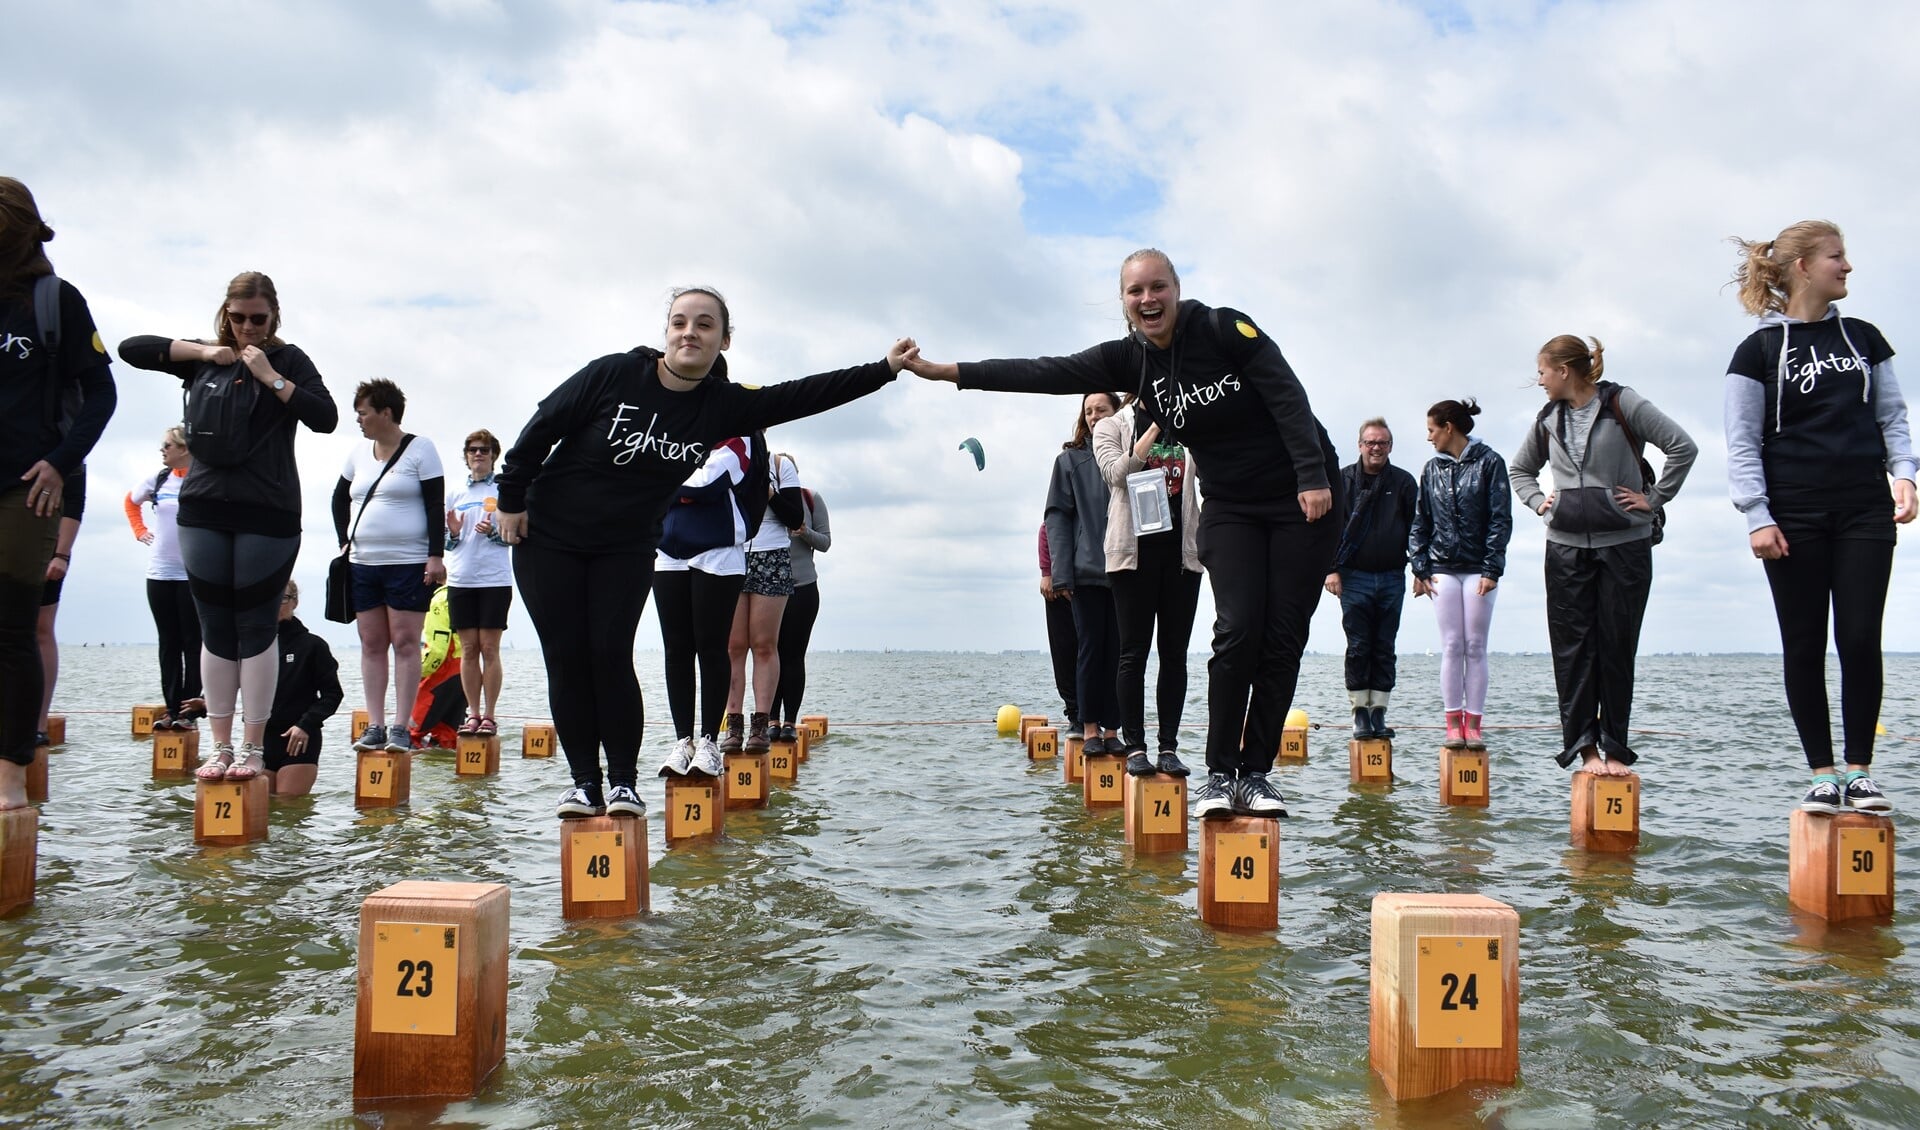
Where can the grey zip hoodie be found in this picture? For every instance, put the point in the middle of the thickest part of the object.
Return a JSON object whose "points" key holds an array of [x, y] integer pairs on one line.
{"points": [[1608, 462]]}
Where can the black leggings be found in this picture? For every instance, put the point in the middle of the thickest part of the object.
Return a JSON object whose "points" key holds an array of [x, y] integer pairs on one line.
{"points": [[1096, 666], [178, 623], [237, 580], [796, 631], [1842, 561], [1157, 588], [586, 608], [1266, 574], [696, 616], [1062, 647], [26, 545]]}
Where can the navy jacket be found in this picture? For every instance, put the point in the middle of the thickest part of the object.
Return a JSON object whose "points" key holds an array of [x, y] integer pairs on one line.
{"points": [[1464, 518]]}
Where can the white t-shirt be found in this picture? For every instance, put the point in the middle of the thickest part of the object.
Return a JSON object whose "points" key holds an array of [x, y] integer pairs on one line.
{"points": [[729, 459], [773, 532], [393, 531], [476, 561], [163, 560]]}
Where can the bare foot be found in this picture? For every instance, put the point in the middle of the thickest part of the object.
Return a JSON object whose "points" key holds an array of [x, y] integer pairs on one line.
{"points": [[1591, 762], [13, 786]]}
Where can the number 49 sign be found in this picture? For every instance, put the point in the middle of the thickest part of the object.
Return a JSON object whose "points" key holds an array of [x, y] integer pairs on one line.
{"points": [[416, 978], [1457, 992]]}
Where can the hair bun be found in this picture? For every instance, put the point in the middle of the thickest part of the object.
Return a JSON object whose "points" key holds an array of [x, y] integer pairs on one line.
{"points": [[46, 234]]}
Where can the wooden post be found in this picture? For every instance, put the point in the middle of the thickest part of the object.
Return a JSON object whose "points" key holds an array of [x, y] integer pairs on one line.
{"points": [[382, 779], [1841, 865], [1293, 744], [1029, 721], [603, 867], [19, 856], [802, 745], [176, 753], [358, 726], [1240, 872], [143, 716], [56, 729], [1043, 742], [746, 780], [229, 813], [538, 740], [1465, 777], [782, 763], [37, 776], [477, 755], [789, 750], [1100, 787], [1445, 992], [1073, 766], [1370, 761], [696, 808], [431, 1018], [1606, 812], [815, 725], [1156, 807]]}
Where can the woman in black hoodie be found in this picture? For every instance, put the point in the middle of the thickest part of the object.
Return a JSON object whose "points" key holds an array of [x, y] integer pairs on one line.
{"points": [[1213, 381], [307, 694]]}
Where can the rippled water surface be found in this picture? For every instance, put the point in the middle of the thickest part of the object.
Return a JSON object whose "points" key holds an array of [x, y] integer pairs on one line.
{"points": [[925, 930]]}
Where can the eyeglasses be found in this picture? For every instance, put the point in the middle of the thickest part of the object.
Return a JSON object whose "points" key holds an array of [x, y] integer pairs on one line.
{"points": [[240, 319], [288, 599], [479, 451], [1376, 443]]}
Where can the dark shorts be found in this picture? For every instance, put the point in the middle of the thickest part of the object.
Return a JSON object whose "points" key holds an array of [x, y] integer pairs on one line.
{"points": [[769, 573], [275, 755], [402, 588], [50, 592], [472, 609]]}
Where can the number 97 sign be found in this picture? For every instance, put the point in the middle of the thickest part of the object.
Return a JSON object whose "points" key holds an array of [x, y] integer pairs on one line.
{"points": [[416, 978], [1458, 992]]}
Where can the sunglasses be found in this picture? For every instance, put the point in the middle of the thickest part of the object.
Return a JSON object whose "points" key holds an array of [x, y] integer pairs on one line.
{"points": [[479, 451], [240, 319]]}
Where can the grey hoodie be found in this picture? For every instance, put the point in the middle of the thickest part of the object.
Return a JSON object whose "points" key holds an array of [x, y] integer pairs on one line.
{"points": [[1584, 512]]}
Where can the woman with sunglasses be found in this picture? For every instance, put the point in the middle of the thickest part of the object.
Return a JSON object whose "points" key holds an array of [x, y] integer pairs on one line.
{"points": [[247, 395], [168, 594], [479, 582]]}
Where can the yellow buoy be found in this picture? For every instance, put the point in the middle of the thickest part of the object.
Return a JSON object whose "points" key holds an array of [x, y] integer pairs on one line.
{"points": [[1008, 721], [1296, 719]]}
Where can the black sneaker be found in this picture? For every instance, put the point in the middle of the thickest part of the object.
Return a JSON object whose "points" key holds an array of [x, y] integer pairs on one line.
{"points": [[1095, 746], [40, 738], [1214, 800], [1825, 796], [1256, 796], [578, 801], [1138, 765], [1170, 764], [1865, 796], [623, 801]]}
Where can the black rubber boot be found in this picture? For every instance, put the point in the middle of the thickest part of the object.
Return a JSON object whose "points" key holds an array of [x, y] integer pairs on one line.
{"points": [[1362, 724], [1380, 727]]}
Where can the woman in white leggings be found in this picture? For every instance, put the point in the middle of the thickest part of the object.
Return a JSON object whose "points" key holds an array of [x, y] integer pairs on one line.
{"points": [[1458, 547]]}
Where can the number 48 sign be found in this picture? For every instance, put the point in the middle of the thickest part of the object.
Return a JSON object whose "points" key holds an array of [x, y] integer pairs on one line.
{"points": [[1457, 993]]}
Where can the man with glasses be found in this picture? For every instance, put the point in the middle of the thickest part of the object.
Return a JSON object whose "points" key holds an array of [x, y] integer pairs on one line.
{"points": [[1370, 573]]}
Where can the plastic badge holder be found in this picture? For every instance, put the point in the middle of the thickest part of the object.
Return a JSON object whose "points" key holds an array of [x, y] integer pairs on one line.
{"points": [[1147, 498]]}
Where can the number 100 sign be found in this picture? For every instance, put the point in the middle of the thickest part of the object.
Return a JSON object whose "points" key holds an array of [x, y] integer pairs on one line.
{"points": [[416, 978], [1458, 999]]}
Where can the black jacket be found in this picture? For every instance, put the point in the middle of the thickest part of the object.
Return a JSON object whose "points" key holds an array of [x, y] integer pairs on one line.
{"points": [[1465, 515], [309, 690], [1374, 539]]}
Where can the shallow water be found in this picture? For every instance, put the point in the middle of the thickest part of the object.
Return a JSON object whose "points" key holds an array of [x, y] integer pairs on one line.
{"points": [[925, 930]]}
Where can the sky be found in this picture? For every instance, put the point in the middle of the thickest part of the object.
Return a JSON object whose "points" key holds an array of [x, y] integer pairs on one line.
{"points": [[475, 198]]}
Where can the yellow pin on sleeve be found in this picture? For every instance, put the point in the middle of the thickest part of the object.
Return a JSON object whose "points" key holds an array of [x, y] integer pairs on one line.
{"points": [[1246, 328], [1162, 808], [416, 978], [1457, 992], [1865, 865], [98, 345], [1242, 867], [599, 866]]}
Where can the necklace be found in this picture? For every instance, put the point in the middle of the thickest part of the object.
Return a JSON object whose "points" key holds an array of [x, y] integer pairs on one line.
{"points": [[681, 375]]}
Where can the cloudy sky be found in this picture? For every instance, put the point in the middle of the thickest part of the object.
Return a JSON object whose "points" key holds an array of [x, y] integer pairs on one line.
{"points": [[474, 198]]}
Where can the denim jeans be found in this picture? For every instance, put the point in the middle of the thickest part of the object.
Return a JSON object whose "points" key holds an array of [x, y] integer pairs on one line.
{"points": [[1370, 612]]}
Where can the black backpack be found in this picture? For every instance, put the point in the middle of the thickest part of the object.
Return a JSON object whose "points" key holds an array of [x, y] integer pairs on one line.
{"points": [[216, 411], [1610, 407], [63, 397]]}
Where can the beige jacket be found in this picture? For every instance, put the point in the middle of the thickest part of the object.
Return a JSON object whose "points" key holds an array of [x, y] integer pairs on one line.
{"points": [[1113, 440]]}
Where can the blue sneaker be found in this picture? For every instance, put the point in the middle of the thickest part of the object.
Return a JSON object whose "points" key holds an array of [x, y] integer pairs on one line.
{"points": [[1825, 796], [1865, 796], [1256, 796], [373, 737]]}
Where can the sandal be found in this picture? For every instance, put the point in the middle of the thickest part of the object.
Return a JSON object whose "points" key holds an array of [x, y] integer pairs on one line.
{"points": [[252, 763], [216, 769], [487, 728], [470, 726]]}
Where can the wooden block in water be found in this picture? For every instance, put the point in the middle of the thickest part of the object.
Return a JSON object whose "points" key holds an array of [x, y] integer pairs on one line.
{"points": [[695, 808], [783, 763], [56, 729], [176, 753], [1240, 872], [1043, 742], [815, 725], [1464, 777], [37, 776], [431, 1018], [1100, 787], [1156, 808], [538, 740], [802, 744], [477, 755], [1293, 744], [1445, 992], [1842, 865], [1029, 722], [1605, 812], [229, 813], [383, 779], [1073, 763], [358, 726], [19, 857], [746, 780], [603, 867], [143, 716], [1370, 761]]}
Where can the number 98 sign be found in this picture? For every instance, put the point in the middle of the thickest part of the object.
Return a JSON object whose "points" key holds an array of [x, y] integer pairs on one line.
{"points": [[416, 978]]}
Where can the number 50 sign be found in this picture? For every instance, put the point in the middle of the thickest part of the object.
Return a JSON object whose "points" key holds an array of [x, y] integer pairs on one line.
{"points": [[416, 978]]}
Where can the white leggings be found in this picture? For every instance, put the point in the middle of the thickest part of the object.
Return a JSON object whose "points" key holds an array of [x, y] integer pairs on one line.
{"points": [[1465, 616]]}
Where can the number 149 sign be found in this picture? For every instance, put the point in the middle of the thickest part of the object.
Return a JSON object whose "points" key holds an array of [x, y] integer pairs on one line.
{"points": [[1457, 992]]}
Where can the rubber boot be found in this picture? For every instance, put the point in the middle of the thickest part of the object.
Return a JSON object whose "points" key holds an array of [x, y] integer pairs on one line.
{"points": [[1380, 727], [1470, 730], [1362, 724], [730, 742], [1456, 730], [757, 735]]}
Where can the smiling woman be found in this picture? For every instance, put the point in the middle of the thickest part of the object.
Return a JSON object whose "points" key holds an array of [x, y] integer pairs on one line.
{"points": [[584, 519]]}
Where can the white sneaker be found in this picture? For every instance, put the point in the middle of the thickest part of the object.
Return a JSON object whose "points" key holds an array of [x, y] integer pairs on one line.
{"points": [[706, 758], [678, 760]]}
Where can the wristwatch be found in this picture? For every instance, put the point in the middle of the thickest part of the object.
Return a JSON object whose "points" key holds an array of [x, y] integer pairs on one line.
{"points": [[279, 383]]}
